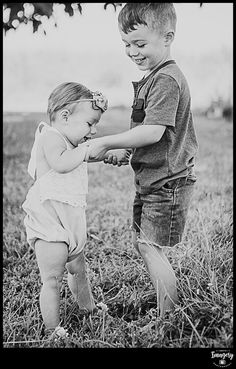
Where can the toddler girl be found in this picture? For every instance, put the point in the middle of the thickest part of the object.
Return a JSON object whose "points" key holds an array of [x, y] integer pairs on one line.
{"points": [[55, 205]]}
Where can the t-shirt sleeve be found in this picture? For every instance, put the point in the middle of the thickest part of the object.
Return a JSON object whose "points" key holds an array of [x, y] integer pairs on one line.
{"points": [[162, 101]]}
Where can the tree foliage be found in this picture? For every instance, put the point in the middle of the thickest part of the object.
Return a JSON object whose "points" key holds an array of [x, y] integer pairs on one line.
{"points": [[17, 13]]}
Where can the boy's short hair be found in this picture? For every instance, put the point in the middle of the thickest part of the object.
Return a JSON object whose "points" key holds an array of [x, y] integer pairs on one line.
{"points": [[64, 94], [156, 15]]}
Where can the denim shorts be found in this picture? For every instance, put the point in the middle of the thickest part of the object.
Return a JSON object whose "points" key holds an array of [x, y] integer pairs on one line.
{"points": [[160, 217]]}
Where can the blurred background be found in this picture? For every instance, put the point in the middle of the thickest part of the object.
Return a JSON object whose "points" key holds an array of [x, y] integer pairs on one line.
{"points": [[87, 48]]}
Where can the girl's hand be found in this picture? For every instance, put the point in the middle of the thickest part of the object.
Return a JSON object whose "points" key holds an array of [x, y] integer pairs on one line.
{"points": [[97, 150]]}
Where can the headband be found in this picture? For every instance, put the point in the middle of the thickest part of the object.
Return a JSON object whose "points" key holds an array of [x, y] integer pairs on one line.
{"points": [[99, 101]]}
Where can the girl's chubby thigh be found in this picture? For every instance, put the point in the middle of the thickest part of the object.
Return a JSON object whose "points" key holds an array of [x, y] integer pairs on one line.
{"points": [[51, 259]]}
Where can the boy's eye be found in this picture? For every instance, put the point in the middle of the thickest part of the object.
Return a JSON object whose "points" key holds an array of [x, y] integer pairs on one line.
{"points": [[138, 45]]}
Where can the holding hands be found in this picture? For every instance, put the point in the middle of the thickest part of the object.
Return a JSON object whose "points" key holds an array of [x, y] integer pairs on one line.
{"points": [[117, 157], [98, 151]]}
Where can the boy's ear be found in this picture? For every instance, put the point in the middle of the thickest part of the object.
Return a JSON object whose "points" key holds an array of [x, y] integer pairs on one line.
{"points": [[169, 37]]}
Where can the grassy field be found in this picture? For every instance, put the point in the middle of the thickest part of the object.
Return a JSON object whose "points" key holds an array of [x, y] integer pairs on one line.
{"points": [[203, 263]]}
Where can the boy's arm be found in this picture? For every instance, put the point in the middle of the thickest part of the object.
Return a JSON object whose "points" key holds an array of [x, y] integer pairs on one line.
{"points": [[58, 157], [136, 137], [162, 105], [140, 136]]}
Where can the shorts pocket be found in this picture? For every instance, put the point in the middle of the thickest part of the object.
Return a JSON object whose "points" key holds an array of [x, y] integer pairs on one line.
{"points": [[169, 186]]}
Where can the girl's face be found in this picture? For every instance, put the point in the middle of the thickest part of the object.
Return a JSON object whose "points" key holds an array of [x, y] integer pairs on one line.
{"points": [[81, 124]]}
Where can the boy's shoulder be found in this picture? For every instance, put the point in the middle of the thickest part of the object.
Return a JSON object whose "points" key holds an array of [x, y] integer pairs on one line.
{"points": [[170, 76], [171, 71], [174, 72]]}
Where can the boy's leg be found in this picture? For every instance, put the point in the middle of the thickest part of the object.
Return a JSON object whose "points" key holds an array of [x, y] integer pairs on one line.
{"points": [[161, 273], [157, 264], [51, 258], [79, 283], [162, 222]]}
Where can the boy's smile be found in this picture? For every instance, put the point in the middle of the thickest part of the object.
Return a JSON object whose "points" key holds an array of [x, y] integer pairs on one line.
{"points": [[146, 47]]}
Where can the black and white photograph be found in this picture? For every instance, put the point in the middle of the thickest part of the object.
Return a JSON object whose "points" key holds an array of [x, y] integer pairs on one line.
{"points": [[118, 177]]}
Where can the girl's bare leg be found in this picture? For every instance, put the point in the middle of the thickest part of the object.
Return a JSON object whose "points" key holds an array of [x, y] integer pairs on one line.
{"points": [[51, 258], [161, 274], [79, 283]]}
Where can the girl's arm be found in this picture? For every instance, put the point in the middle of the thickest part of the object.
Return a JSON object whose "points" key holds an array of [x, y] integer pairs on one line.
{"points": [[58, 157]]}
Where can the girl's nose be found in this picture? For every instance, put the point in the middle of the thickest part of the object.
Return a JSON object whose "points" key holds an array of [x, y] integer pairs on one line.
{"points": [[93, 130]]}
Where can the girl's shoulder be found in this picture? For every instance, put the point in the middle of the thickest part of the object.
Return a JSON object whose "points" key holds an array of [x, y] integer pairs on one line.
{"points": [[52, 137]]}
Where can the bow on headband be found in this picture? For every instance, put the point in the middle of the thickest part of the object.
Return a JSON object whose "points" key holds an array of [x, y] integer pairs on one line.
{"points": [[99, 101]]}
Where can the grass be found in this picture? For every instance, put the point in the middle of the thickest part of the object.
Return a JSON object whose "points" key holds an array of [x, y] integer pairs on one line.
{"points": [[203, 262]]}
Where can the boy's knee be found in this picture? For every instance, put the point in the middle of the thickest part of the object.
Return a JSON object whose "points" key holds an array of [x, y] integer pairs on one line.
{"points": [[139, 245], [142, 246], [135, 240], [145, 247]]}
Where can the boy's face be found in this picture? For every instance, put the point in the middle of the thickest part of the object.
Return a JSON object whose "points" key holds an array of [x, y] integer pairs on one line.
{"points": [[146, 47]]}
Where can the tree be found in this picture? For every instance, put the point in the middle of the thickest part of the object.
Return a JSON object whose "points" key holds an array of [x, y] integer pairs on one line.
{"points": [[17, 13]]}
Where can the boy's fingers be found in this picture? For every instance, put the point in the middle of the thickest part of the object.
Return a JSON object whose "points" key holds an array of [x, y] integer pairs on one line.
{"points": [[110, 159], [107, 160], [114, 160]]}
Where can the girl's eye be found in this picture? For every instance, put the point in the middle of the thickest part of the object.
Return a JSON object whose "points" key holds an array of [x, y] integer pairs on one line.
{"points": [[141, 45]]}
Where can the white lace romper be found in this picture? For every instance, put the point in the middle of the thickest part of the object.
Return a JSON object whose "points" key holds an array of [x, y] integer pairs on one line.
{"points": [[55, 204]]}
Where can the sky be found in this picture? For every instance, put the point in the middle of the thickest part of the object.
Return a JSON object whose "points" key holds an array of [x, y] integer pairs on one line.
{"points": [[87, 48]]}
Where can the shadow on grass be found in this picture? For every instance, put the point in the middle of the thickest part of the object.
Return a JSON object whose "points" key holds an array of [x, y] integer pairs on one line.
{"points": [[131, 312]]}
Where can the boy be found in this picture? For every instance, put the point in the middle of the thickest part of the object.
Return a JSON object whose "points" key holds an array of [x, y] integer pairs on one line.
{"points": [[162, 139]]}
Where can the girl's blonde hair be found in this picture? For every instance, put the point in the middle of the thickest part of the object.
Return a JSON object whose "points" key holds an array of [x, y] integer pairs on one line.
{"points": [[63, 95]]}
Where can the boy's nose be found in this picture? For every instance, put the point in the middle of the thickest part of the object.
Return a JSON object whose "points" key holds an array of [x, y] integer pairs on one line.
{"points": [[133, 51]]}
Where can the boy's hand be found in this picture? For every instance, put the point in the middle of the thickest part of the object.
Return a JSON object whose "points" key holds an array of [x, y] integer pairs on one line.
{"points": [[117, 157]]}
